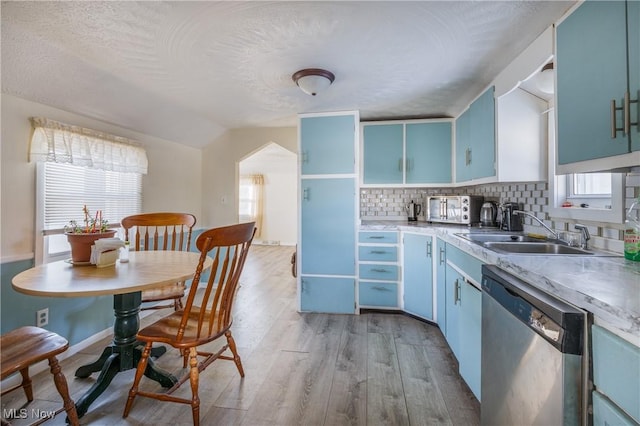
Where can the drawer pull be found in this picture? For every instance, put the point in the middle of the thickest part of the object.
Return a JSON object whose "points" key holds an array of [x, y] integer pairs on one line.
{"points": [[379, 270], [377, 288], [376, 237], [378, 252]]}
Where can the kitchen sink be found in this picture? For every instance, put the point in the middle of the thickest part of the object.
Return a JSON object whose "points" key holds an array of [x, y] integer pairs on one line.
{"points": [[503, 237], [544, 248]]}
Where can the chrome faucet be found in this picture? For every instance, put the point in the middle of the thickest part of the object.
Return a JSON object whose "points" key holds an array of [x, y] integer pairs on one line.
{"points": [[585, 234], [532, 216]]}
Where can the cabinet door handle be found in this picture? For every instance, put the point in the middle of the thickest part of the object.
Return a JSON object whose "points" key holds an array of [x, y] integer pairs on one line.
{"points": [[456, 292], [441, 256], [305, 157], [399, 164], [429, 249], [306, 194], [614, 128]]}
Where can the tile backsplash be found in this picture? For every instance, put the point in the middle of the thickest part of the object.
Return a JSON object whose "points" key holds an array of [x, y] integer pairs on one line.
{"points": [[389, 204]]}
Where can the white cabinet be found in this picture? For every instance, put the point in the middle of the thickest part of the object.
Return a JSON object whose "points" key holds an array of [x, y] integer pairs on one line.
{"points": [[521, 137]]}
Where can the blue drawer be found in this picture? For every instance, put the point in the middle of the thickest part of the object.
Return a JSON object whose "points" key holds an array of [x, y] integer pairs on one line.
{"points": [[616, 368], [378, 253], [378, 237], [469, 264], [379, 272], [378, 294]]}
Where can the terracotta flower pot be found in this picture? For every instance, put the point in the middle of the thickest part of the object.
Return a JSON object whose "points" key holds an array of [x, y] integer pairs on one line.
{"points": [[81, 244]]}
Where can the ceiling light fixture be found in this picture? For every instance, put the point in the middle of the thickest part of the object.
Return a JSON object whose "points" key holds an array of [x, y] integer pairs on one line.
{"points": [[313, 80], [545, 78]]}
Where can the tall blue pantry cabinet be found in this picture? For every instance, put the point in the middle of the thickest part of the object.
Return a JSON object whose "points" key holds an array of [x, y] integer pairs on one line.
{"points": [[327, 211]]}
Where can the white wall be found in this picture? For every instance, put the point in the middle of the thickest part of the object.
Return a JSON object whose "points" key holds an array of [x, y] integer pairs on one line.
{"points": [[279, 168], [220, 168], [173, 182]]}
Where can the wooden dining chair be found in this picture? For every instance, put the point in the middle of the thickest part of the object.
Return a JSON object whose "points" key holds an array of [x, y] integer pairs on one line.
{"points": [[194, 326], [160, 231], [26, 346]]}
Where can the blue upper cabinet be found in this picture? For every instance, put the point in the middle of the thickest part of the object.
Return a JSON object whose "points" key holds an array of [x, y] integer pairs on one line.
{"points": [[327, 144], [428, 153], [383, 153], [592, 47], [407, 152], [476, 139]]}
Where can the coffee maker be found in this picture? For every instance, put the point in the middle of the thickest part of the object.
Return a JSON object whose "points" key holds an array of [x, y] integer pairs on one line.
{"points": [[413, 210], [510, 221]]}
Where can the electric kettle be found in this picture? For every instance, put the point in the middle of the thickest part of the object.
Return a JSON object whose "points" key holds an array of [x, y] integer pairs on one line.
{"points": [[488, 214], [413, 210]]}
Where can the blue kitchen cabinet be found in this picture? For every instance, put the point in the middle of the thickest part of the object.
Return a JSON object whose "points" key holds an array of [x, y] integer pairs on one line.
{"points": [[378, 294], [428, 152], [463, 313], [327, 144], [418, 275], [453, 285], [616, 368], [378, 270], [475, 139], [441, 271], [328, 294], [463, 146], [408, 152], [383, 154], [328, 226], [470, 335], [594, 52], [605, 413]]}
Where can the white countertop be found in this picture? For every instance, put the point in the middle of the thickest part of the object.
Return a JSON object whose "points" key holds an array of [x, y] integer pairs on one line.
{"points": [[608, 287]]}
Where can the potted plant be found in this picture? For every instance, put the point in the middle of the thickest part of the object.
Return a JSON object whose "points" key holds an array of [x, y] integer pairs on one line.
{"points": [[82, 236]]}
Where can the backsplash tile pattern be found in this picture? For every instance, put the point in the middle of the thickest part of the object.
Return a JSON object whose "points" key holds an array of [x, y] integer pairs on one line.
{"points": [[389, 204]]}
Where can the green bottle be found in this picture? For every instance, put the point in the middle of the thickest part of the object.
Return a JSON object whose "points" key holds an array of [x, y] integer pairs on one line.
{"points": [[632, 232]]}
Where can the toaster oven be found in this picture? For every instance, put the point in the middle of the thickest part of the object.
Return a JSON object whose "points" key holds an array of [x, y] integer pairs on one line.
{"points": [[459, 209]]}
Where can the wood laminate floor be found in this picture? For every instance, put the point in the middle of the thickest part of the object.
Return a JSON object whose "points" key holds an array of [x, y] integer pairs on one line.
{"points": [[311, 369]]}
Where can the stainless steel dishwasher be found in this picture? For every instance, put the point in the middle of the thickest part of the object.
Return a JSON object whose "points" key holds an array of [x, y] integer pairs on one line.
{"points": [[532, 345]]}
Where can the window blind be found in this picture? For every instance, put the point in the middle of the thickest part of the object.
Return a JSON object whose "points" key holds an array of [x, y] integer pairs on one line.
{"points": [[68, 188]]}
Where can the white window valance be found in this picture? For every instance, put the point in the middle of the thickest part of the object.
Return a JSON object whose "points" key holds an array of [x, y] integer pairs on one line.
{"points": [[57, 142]]}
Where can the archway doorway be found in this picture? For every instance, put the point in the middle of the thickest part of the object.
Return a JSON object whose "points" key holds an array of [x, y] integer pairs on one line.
{"points": [[276, 169]]}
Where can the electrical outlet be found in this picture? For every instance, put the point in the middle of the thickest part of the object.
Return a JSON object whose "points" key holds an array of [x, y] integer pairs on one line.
{"points": [[42, 317]]}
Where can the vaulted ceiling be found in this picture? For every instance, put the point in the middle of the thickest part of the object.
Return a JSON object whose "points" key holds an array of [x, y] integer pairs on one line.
{"points": [[186, 71]]}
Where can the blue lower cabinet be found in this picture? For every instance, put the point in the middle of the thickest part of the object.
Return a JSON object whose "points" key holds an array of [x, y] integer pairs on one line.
{"points": [[470, 336], [418, 275], [607, 414], [616, 370], [378, 294], [453, 285], [441, 271], [328, 294]]}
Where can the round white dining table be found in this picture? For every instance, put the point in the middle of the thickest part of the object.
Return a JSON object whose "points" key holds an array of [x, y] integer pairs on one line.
{"points": [[125, 281]]}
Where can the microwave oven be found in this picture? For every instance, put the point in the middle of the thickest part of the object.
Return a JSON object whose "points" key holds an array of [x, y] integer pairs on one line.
{"points": [[459, 209]]}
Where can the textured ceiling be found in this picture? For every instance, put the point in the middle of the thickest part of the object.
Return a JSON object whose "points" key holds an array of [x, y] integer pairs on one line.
{"points": [[186, 71]]}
